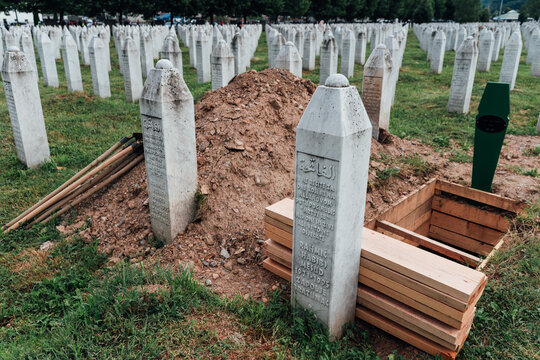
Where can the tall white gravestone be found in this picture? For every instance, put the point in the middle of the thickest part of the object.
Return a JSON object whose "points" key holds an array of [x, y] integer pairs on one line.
{"points": [[310, 41], [72, 66], [168, 126], [171, 51], [333, 142], [510, 63], [329, 58], [377, 89], [463, 77], [133, 84], [485, 50], [25, 112], [289, 59], [348, 43], [204, 70], [48, 62], [437, 54], [222, 65], [98, 67]]}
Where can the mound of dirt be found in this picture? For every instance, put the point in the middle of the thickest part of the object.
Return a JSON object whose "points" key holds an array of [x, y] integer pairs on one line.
{"points": [[245, 154]]}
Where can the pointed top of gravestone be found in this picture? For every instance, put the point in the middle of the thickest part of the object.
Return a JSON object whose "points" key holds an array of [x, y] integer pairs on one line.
{"points": [[164, 64], [13, 48], [337, 81]]}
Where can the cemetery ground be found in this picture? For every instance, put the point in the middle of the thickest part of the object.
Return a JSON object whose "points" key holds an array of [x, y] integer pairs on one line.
{"points": [[79, 300]]}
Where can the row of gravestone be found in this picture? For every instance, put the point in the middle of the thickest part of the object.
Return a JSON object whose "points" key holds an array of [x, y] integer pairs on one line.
{"points": [[477, 45]]}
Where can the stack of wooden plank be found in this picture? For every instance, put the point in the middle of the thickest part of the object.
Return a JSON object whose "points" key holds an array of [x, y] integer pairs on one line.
{"points": [[416, 295]]}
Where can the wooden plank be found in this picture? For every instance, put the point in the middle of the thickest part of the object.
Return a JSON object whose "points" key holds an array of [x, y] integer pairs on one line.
{"points": [[471, 213], [409, 203], [428, 243], [490, 255], [278, 235], [417, 216], [412, 319], [414, 285], [445, 275], [283, 254], [278, 224], [404, 334], [466, 228], [282, 211], [480, 196], [410, 302], [424, 228], [277, 269], [416, 296], [459, 240]]}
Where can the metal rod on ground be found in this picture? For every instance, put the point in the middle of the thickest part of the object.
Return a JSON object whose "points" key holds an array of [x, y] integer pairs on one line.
{"points": [[96, 188], [111, 169], [73, 178], [58, 196]]}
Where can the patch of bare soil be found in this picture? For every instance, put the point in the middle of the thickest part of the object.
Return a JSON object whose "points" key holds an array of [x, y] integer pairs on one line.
{"points": [[245, 149]]}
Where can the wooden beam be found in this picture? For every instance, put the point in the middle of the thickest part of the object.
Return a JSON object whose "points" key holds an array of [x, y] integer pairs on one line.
{"points": [[458, 240], [471, 213], [282, 211], [428, 243], [480, 196], [466, 228]]}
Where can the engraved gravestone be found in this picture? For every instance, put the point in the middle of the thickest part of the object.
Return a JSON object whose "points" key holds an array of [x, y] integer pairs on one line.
{"points": [[147, 58], [437, 53], [171, 51], [310, 41], [463, 77], [360, 48], [485, 50], [72, 67], [329, 58], [289, 59], [98, 67], [376, 88], [27, 47], [48, 63], [277, 42], [168, 126], [24, 106], [203, 45], [348, 43], [510, 63], [331, 170], [237, 45], [133, 84], [222, 65]]}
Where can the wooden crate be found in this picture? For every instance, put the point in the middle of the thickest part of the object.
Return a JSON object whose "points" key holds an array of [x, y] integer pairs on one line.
{"points": [[457, 222], [410, 282]]}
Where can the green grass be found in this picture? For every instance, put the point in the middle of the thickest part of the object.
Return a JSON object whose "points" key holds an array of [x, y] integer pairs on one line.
{"points": [[66, 304]]}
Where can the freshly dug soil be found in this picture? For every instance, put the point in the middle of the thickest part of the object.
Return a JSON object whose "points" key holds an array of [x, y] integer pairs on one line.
{"points": [[245, 155]]}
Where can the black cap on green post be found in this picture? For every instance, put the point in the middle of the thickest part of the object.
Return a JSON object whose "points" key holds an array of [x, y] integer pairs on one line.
{"points": [[491, 123]]}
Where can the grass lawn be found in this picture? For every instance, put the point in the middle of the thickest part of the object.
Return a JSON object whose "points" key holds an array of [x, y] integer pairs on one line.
{"points": [[65, 304]]}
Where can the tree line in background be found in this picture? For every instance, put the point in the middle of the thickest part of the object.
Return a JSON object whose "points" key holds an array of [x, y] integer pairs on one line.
{"points": [[347, 10]]}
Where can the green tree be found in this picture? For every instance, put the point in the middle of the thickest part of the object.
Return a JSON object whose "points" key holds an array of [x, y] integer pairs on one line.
{"points": [[423, 12], [296, 8], [531, 8], [467, 10], [328, 9], [449, 10], [439, 9], [485, 15]]}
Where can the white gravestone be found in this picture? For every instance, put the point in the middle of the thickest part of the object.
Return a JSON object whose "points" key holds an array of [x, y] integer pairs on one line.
{"points": [[463, 77], [72, 66], [496, 45], [85, 51], [25, 112], [485, 50], [222, 65], [27, 48], [204, 70], [171, 51], [329, 58], [360, 48], [437, 54], [168, 126], [98, 67], [289, 59], [535, 64], [48, 63], [348, 43], [376, 88], [147, 56], [133, 84], [275, 46], [237, 45], [310, 42], [510, 63], [331, 170]]}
